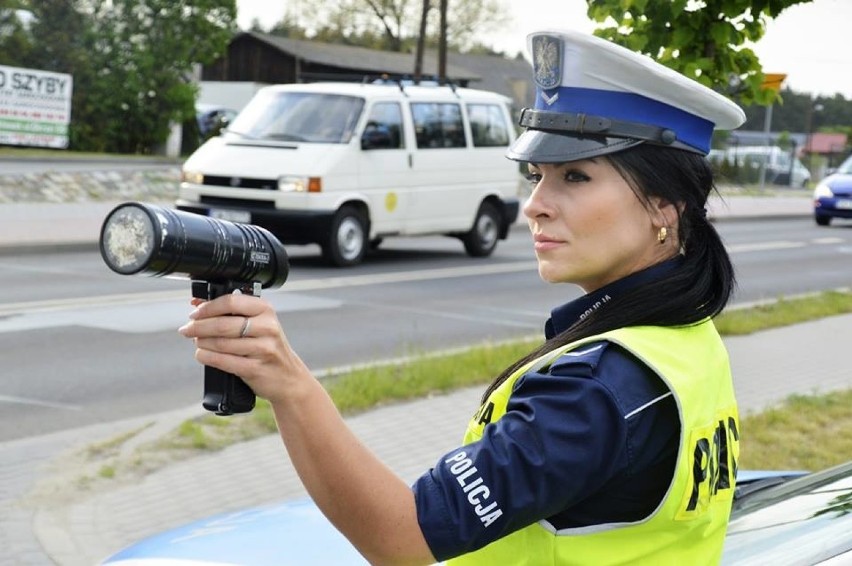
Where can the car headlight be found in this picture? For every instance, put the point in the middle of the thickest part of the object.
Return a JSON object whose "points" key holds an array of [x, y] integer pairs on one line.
{"points": [[194, 177], [298, 184], [822, 190]]}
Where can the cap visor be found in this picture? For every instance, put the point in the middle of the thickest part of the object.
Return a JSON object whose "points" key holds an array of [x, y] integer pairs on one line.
{"points": [[538, 146]]}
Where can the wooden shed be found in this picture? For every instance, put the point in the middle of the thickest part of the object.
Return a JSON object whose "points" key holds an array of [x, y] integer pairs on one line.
{"points": [[269, 59]]}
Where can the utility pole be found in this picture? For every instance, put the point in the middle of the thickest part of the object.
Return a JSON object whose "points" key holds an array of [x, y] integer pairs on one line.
{"points": [[442, 45], [421, 43]]}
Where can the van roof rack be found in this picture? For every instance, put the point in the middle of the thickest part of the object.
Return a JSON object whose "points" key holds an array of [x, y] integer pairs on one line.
{"points": [[408, 80], [400, 80]]}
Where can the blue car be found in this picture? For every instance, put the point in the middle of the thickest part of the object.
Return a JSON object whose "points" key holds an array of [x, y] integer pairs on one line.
{"points": [[833, 195], [789, 517]]}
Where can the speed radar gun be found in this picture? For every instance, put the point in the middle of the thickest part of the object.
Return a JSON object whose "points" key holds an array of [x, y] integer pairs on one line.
{"points": [[217, 256]]}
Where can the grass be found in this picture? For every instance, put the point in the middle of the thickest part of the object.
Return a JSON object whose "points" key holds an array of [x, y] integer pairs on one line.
{"points": [[806, 432], [783, 312]]}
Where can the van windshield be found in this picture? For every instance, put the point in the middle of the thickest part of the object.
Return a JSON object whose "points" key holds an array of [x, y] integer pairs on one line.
{"points": [[299, 116]]}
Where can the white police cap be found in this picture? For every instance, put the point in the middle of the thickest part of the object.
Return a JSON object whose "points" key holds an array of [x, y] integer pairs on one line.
{"points": [[594, 97]]}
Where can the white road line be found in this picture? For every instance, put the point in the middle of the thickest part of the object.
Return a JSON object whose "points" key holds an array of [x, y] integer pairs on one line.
{"points": [[53, 305], [403, 276], [501, 321], [25, 401], [782, 245], [764, 246]]}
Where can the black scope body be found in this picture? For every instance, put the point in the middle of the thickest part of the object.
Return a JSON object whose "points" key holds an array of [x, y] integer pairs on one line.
{"points": [[218, 256], [146, 239]]}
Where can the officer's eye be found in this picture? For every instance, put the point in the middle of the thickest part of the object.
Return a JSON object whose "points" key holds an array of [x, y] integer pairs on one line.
{"points": [[575, 176], [533, 178]]}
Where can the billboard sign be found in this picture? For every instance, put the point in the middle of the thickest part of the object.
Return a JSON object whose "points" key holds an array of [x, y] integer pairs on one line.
{"points": [[35, 107]]}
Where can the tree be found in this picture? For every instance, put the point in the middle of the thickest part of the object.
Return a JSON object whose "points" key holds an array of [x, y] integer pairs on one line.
{"points": [[144, 52], [394, 25], [15, 40], [66, 52], [132, 61], [703, 40]]}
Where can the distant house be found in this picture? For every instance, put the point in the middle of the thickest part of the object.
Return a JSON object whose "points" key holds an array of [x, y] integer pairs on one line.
{"points": [[263, 58], [830, 145]]}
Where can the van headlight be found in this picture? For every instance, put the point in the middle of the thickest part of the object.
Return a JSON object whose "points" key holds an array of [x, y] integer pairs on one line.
{"points": [[193, 177], [298, 184], [822, 190]]}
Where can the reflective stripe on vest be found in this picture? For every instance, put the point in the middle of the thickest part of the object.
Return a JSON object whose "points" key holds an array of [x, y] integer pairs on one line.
{"points": [[689, 525]]}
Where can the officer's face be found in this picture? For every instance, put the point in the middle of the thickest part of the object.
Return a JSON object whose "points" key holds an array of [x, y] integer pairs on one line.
{"points": [[589, 226]]}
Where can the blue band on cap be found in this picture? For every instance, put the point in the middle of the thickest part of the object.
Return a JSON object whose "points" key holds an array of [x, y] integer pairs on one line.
{"points": [[690, 129]]}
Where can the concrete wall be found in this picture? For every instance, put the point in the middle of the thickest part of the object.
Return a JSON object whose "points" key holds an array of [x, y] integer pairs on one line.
{"points": [[154, 185]]}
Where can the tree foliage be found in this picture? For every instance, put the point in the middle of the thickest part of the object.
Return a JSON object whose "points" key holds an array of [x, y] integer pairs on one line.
{"points": [[15, 43], [705, 40], [132, 62], [393, 25]]}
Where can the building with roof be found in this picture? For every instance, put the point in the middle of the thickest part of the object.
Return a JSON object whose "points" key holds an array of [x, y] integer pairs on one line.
{"points": [[260, 58]]}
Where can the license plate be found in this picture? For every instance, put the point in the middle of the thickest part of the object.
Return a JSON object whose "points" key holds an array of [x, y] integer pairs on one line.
{"points": [[845, 204], [240, 216]]}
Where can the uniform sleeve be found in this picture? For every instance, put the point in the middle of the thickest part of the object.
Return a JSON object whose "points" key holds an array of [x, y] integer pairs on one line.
{"points": [[563, 437]]}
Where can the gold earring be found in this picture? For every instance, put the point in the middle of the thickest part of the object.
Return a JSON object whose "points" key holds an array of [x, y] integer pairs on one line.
{"points": [[662, 234]]}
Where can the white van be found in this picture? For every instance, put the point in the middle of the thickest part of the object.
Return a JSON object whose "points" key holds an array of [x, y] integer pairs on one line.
{"points": [[344, 165]]}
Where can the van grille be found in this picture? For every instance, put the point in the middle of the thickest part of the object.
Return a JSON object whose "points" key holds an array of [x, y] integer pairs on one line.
{"points": [[241, 182], [236, 202]]}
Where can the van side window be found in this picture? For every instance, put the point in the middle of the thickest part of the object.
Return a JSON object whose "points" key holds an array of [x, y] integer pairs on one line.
{"points": [[438, 125], [487, 125], [386, 119]]}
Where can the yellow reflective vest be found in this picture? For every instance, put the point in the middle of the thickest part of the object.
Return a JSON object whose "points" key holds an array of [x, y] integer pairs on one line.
{"points": [[689, 525]]}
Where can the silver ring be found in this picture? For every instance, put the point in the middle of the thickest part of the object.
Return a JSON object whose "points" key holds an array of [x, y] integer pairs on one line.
{"points": [[246, 327]]}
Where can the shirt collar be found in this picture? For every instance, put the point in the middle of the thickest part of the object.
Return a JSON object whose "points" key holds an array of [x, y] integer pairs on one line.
{"points": [[565, 316]]}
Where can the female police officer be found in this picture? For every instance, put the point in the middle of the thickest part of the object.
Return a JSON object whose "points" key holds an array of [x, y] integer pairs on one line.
{"points": [[615, 441]]}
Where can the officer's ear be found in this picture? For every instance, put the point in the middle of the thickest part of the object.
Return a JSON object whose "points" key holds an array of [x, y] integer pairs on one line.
{"points": [[664, 213]]}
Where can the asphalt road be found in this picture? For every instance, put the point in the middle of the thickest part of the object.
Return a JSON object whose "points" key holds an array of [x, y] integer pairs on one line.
{"points": [[83, 345]]}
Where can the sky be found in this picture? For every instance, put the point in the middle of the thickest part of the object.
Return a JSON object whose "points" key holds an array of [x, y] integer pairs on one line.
{"points": [[807, 42]]}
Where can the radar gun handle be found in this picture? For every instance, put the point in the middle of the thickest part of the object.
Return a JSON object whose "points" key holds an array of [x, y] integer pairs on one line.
{"points": [[224, 393]]}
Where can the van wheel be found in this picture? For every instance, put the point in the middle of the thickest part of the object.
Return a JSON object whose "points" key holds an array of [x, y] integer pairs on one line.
{"points": [[347, 239], [482, 238], [823, 220]]}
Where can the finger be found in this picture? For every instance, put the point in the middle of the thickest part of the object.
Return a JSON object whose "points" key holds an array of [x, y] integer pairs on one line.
{"points": [[244, 305], [231, 326], [232, 363], [228, 326]]}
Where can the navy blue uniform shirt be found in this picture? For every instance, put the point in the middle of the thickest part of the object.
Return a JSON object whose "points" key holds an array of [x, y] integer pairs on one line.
{"points": [[591, 440]]}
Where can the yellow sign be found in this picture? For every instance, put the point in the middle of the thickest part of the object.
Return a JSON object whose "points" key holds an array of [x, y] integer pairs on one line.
{"points": [[772, 81]]}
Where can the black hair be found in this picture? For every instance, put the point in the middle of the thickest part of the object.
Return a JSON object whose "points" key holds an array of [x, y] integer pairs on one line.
{"points": [[697, 289]]}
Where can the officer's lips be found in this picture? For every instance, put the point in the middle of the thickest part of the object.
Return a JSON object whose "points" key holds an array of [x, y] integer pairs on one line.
{"points": [[544, 243]]}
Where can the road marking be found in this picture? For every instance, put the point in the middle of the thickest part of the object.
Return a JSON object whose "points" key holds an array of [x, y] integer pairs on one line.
{"points": [[765, 246], [782, 245], [25, 401], [503, 320], [76, 303]]}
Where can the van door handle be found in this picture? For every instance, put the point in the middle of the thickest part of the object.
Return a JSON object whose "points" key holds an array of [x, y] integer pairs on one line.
{"points": [[410, 161]]}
